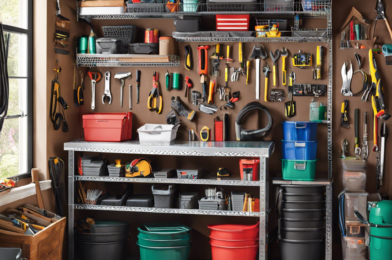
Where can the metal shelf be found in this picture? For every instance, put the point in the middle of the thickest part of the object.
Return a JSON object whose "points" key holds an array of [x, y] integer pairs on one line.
{"points": [[127, 60], [169, 181], [169, 211], [249, 39], [324, 182], [180, 148]]}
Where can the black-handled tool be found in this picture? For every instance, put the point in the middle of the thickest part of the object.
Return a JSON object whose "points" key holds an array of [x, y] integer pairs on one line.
{"points": [[384, 135], [356, 129], [137, 86], [188, 58]]}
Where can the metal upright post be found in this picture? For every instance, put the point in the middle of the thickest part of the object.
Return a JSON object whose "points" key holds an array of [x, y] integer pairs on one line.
{"points": [[71, 198], [264, 208]]}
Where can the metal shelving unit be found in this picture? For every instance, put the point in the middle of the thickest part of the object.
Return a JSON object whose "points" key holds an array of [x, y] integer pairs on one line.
{"points": [[127, 60], [248, 39], [260, 150], [170, 181]]}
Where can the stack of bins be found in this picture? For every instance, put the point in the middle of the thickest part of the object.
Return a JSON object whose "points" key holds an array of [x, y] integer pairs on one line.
{"points": [[164, 241], [107, 240], [299, 148], [233, 242], [301, 222]]}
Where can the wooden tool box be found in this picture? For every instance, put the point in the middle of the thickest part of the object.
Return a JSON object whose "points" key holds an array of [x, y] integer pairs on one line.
{"points": [[45, 245]]}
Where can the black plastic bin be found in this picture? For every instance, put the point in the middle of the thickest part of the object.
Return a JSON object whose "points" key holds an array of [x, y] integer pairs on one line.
{"points": [[302, 223], [303, 213], [303, 204], [101, 251], [109, 226], [101, 237], [289, 197], [302, 233], [11, 254], [302, 189], [301, 250], [164, 195], [140, 200]]}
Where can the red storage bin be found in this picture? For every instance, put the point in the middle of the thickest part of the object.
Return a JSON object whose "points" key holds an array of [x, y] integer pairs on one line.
{"points": [[107, 127], [252, 165], [234, 232], [233, 243], [232, 22], [234, 253]]}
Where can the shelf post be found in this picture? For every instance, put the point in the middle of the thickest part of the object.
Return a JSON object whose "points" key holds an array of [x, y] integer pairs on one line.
{"points": [[71, 198]]}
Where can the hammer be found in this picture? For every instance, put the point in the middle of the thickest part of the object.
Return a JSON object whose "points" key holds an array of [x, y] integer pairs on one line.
{"points": [[258, 53], [122, 76]]}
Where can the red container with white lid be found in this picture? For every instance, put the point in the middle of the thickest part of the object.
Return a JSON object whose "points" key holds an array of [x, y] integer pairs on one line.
{"points": [[232, 22], [107, 127]]}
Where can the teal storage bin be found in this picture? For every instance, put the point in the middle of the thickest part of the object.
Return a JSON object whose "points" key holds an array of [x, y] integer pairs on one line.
{"points": [[163, 243], [164, 235], [295, 170], [164, 253]]}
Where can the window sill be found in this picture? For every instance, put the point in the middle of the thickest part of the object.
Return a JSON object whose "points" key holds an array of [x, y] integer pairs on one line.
{"points": [[23, 192]]}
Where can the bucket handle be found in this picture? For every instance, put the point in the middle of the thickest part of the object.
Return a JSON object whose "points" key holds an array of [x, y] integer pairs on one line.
{"points": [[278, 203], [363, 221], [300, 166], [300, 125]]}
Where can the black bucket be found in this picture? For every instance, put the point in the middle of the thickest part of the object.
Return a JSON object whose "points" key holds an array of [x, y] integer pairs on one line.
{"points": [[302, 233], [303, 197], [303, 213], [101, 251], [101, 237], [302, 189], [303, 205], [302, 223], [301, 250]]}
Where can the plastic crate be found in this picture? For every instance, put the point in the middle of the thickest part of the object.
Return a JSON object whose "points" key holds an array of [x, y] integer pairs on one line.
{"points": [[125, 33], [187, 200], [230, 6], [299, 131], [164, 196], [278, 5], [145, 7], [297, 170], [302, 150]]}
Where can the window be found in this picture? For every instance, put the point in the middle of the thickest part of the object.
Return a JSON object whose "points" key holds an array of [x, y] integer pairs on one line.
{"points": [[16, 136]]}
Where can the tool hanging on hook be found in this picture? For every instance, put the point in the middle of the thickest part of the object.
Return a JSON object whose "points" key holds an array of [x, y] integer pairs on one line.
{"points": [[380, 9]]}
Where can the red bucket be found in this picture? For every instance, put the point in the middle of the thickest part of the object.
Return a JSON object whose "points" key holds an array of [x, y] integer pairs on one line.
{"points": [[234, 253], [233, 243], [235, 232]]}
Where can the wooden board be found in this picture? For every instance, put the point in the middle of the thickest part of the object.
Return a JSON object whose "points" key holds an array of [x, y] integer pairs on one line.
{"points": [[100, 3]]}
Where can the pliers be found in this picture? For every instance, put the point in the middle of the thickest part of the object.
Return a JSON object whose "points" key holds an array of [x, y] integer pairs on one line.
{"points": [[154, 95]]}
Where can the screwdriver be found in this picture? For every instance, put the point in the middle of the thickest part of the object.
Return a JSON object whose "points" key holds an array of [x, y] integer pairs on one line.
{"points": [[137, 86]]}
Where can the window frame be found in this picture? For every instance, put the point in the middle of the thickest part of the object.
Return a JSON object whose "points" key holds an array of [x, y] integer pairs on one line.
{"points": [[29, 78]]}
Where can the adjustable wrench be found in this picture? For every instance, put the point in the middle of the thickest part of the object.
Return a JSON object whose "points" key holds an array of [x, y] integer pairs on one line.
{"points": [[106, 94], [95, 77]]}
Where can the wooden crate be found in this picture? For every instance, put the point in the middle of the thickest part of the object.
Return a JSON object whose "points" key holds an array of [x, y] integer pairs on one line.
{"points": [[45, 245]]}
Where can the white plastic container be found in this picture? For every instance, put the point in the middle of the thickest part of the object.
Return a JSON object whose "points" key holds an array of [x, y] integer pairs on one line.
{"points": [[156, 134], [190, 5], [355, 201]]}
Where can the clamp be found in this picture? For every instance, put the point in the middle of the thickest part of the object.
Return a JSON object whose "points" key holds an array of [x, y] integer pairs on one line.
{"points": [[107, 95]]}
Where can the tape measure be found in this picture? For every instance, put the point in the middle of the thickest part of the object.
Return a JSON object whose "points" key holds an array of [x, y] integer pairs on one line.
{"points": [[205, 134]]}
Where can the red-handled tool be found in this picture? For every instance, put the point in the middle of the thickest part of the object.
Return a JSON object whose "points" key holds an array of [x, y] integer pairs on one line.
{"points": [[203, 59], [188, 84]]}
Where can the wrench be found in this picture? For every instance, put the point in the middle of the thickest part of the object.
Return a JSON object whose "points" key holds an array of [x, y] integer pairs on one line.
{"points": [[95, 77], [106, 94]]}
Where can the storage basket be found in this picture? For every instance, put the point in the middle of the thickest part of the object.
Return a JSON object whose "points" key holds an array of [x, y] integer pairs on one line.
{"points": [[232, 5], [155, 134], [143, 48], [278, 5], [45, 245], [164, 196], [125, 33], [145, 7], [299, 131], [292, 150], [296, 170], [187, 200]]}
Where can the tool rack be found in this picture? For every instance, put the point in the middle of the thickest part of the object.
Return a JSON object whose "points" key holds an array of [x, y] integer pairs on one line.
{"points": [[125, 60], [227, 149], [260, 150]]}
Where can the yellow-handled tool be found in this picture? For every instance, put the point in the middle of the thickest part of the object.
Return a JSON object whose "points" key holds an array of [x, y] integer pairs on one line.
{"points": [[284, 53], [227, 75], [247, 71], [266, 70], [319, 61], [241, 56], [228, 59], [154, 95], [275, 59]]}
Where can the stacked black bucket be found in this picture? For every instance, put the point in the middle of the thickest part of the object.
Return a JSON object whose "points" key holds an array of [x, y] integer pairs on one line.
{"points": [[301, 211]]}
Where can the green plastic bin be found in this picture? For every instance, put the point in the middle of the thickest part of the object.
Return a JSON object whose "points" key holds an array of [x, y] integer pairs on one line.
{"points": [[295, 170], [164, 253], [163, 243], [164, 234], [380, 246]]}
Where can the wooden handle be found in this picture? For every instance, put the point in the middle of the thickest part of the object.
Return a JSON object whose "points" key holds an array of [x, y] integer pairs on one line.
{"points": [[389, 28], [35, 179]]}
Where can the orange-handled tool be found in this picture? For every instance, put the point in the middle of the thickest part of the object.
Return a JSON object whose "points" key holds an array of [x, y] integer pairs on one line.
{"points": [[211, 92], [203, 59]]}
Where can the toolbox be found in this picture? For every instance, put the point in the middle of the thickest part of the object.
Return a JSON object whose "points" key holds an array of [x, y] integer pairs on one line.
{"points": [[107, 46], [190, 174], [232, 22], [301, 150], [165, 174], [107, 127], [299, 170], [140, 200], [143, 48], [187, 24]]}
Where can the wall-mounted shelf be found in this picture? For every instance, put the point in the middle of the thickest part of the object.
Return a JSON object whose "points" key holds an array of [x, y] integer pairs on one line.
{"points": [[127, 60], [248, 39], [320, 182], [169, 211], [169, 181]]}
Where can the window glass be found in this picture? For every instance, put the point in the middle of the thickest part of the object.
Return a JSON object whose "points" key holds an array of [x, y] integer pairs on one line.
{"points": [[14, 12]]}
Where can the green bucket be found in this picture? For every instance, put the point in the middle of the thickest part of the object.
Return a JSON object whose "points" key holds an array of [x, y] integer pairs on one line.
{"points": [[163, 243], [164, 253], [164, 234], [380, 246]]}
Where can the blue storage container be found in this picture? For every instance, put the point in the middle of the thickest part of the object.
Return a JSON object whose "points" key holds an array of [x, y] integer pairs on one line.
{"points": [[299, 131], [301, 150]]}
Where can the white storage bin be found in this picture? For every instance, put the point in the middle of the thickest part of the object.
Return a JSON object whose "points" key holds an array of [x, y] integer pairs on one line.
{"points": [[355, 201], [156, 134]]}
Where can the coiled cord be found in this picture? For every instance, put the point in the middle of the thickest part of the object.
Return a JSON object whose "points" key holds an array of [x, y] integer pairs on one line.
{"points": [[4, 81]]}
